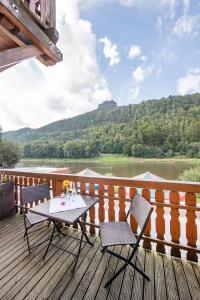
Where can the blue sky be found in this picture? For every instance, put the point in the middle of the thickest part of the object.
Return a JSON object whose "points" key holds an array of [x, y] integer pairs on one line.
{"points": [[126, 50], [171, 51]]}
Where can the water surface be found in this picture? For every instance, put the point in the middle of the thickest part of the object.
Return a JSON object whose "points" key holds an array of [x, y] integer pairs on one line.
{"points": [[166, 169]]}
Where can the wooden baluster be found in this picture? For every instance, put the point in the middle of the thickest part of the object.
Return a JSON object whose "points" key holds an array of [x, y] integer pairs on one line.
{"points": [[160, 221], [43, 11], [36, 182], [92, 210], [101, 203], [133, 223], [147, 244], [16, 192], [174, 198], [20, 194], [122, 194], [111, 203], [57, 186], [32, 5], [30, 181], [25, 184], [191, 227], [83, 191]]}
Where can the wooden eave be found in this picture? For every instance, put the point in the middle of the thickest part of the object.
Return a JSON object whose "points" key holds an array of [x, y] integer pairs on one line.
{"points": [[22, 37]]}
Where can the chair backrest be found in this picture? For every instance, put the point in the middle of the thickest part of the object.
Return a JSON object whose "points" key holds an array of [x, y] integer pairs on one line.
{"points": [[35, 193], [141, 211]]}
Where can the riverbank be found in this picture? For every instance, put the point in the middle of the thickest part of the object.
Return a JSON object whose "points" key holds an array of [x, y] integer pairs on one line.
{"points": [[112, 158]]}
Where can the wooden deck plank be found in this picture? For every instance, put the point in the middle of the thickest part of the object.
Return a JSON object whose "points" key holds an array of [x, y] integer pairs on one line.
{"points": [[115, 287], [138, 280], [160, 288], [45, 273], [98, 277], [183, 289], [192, 281], [12, 282], [87, 277], [102, 291], [64, 268], [76, 279], [29, 277], [149, 286], [66, 275], [171, 286], [6, 229], [10, 266], [126, 288], [196, 269], [19, 248]]}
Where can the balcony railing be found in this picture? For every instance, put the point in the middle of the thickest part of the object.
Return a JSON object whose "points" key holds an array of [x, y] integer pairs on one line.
{"points": [[173, 227], [43, 10]]}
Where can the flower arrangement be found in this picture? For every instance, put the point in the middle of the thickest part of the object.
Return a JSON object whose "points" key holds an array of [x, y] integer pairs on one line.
{"points": [[66, 185]]}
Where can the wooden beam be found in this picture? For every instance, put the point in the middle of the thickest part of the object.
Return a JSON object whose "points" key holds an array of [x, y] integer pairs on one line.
{"points": [[18, 42], [7, 67], [17, 14], [16, 55]]}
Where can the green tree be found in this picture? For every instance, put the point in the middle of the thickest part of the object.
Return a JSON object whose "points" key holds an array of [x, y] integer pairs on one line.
{"points": [[193, 174], [10, 154]]}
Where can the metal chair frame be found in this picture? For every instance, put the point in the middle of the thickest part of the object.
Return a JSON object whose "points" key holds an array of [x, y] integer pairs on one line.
{"points": [[29, 195], [134, 246]]}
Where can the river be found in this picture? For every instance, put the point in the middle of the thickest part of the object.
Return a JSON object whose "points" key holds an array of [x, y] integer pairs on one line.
{"points": [[168, 169]]}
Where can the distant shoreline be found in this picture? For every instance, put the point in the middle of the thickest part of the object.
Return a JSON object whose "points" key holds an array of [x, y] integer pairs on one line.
{"points": [[114, 158]]}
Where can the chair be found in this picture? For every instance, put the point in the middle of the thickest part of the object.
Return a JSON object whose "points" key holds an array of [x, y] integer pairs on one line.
{"points": [[29, 195], [120, 233]]}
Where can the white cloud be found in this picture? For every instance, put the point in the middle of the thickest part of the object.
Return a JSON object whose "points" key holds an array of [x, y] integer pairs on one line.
{"points": [[135, 51], [140, 73], [128, 3], [134, 92], [159, 24], [110, 51], [190, 83], [143, 58], [40, 95], [172, 4], [187, 25], [186, 5]]}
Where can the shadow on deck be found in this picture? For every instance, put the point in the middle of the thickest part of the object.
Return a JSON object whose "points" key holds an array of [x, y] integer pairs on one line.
{"points": [[29, 277]]}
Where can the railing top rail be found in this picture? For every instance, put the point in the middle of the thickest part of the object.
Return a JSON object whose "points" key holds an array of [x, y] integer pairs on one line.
{"points": [[181, 186]]}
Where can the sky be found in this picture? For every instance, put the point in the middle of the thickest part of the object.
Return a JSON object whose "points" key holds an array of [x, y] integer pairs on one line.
{"points": [[125, 50]]}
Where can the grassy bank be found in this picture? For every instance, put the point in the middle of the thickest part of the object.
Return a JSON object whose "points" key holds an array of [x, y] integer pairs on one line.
{"points": [[115, 158]]}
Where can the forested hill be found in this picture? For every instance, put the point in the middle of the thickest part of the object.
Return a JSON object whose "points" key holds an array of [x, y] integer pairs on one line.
{"points": [[153, 128]]}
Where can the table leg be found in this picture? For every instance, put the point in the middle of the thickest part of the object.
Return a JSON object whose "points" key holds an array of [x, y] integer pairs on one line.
{"points": [[85, 235], [78, 253], [51, 238]]}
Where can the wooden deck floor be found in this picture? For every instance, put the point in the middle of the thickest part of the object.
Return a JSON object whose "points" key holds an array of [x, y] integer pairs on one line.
{"points": [[29, 277]]}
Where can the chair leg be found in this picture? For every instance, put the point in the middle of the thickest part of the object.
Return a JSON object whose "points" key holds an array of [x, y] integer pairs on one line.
{"points": [[128, 262], [103, 250], [78, 253], [50, 241], [85, 235], [26, 235]]}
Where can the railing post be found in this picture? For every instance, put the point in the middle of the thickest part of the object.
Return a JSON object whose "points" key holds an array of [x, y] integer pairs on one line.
{"points": [[174, 223], [92, 210], [20, 182], [147, 244], [111, 203], [191, 227], [57, 187], [160, 221], [122, 194], [101, 203], [133, 223]]}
